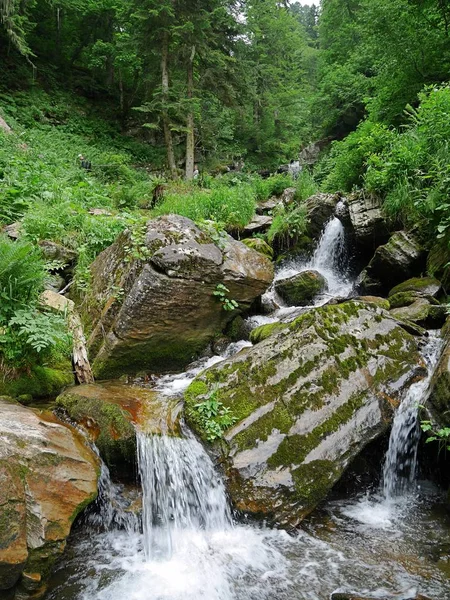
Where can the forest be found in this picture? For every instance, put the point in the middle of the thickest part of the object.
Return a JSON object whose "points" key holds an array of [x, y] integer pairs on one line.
{"points": [[224, 299]]}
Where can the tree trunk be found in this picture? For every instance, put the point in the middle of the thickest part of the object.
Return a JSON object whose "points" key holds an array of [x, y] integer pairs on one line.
{"points": [[165, 99], [190, 141]]}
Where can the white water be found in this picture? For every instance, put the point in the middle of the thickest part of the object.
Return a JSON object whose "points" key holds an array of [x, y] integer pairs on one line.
{"points": [[330, 259], [401, 459]]}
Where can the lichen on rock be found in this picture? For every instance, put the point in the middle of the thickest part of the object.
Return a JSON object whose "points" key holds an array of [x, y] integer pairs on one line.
{"points": [[307, 399]]}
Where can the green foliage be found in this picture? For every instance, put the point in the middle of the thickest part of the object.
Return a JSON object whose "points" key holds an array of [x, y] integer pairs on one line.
{"points": [[221, 292], [289, 223], [21, 276], [441, 435], [214, 417]]}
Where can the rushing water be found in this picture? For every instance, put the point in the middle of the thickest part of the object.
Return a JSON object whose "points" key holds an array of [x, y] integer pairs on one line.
{"points": [[189, 547], [401, 459]]}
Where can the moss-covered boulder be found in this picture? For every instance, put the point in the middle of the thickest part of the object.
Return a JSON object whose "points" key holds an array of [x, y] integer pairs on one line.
{"points": [[301, 289], [438, 262], [420, 311], [47, 476], [262, 332], [38, 382], [306, 400], [420, 286], [152, 305], [259, 245], [401, 258]]}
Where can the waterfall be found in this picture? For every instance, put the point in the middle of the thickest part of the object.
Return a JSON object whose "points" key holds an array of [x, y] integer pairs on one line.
{"points": [[401, 458], [181, 492]]}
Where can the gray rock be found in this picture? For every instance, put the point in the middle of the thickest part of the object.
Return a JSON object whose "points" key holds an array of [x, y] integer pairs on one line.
{"points": [[158, 311], [53, 251], [319, 209], [368, 223], [307, 399], [259, 224], [401, 258], [264, 208], [301, 289]]}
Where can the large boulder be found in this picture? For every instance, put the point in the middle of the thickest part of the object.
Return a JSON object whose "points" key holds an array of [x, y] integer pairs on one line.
{"points": [[401, 258], [420, 286], [47, 476], [306, 400], [370, 229], [152, 303], [302, 288], [319, 210]]}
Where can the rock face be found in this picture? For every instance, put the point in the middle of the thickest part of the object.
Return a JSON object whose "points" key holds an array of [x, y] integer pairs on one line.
{"points": [[152, 305], [440, 385], [47, 476], [319, 209], [368, 223], [301, 289], [400, 259], [306, 400]]}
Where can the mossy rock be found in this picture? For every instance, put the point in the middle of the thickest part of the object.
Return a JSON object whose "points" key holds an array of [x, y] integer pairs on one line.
{"points": [[420, 286], [377, 301], [262, 332], [41, 382], [259, 245], [108, 424], [438, 262], [306, 400], [301, 289]]}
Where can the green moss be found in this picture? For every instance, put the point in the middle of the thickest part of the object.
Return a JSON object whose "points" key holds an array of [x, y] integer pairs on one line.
{"points": [[42, 382], [259, 334], [113, 432], [279, 418], [312, 481], [401, 299], [295, 448], [416, 284]]}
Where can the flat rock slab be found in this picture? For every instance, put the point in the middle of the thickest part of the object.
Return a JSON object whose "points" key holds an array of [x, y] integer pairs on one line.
{"points": [[259, 224]]}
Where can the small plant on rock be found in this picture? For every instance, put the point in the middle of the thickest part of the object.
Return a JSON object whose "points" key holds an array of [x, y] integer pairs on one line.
{"points": [[214, 417], [221, 292]]}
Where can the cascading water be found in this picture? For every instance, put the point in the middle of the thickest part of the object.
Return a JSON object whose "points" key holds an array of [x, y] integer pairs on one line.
{"points": [[182, 493], [401, 458]]}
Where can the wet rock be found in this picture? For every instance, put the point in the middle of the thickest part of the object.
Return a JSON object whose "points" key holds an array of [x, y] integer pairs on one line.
{"points": [[47, 476], [306, 399], [420, 311], [108, 413], [260, 246], [158, 311], [319, 210], [401, 258], [369, 226], [420, 286], [440, 385], [301, 289]]}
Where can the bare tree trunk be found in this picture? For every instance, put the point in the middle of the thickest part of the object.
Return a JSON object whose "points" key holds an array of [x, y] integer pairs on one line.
{"points": [[165, 98], [190, 141]]}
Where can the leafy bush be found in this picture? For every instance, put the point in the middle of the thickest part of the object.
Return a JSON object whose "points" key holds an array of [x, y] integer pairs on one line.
{"points": [[347, 160], [289, 223]]}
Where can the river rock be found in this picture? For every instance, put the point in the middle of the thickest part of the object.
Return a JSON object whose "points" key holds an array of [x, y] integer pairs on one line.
{"points": [[47, 476], [401, 258], [319, 210], [370, 229], [306, 400], [420, 286], [420, 311], [302, 288], [154, 307]]}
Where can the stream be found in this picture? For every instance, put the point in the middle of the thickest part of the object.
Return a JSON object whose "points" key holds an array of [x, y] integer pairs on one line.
{"points": [[379, 544]]}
